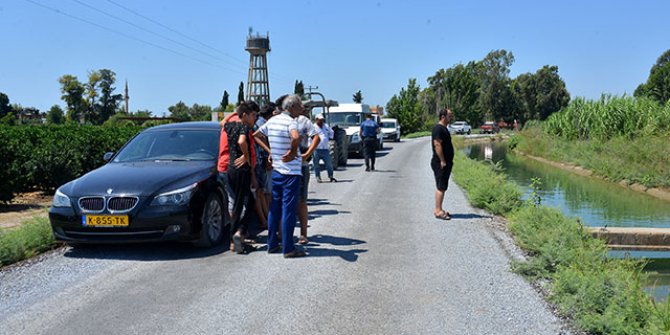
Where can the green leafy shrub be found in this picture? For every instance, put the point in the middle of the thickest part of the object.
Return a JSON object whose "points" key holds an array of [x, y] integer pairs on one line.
{"points": [[45, 157]]}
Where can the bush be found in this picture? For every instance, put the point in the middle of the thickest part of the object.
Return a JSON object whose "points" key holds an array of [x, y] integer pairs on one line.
{"points": [[45, 157]]}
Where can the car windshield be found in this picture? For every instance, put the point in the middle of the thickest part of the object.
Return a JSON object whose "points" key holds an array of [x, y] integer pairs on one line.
{"points": [[459, 123], [171, 145], [388, 124], [345, 119], [489, 123]]}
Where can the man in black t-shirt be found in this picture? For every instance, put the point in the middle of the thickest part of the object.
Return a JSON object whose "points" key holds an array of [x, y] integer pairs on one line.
{"points": [[442, 161]]}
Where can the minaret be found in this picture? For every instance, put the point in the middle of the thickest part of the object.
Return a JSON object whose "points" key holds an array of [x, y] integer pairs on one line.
{"points": [[126, 97]]}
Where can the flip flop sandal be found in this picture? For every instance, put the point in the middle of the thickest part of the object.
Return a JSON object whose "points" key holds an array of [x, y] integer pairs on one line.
{"points": [[444, 216], [303, 240]]}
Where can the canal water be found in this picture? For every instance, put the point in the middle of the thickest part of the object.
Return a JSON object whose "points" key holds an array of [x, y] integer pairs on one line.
{"points": [[595, 202]]}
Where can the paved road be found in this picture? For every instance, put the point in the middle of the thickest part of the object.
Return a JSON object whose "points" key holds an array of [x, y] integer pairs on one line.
{"points": [[378, 263]]}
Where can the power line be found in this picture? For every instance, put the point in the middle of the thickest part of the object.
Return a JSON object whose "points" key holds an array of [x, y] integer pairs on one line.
{"points": [[146, 30], [130, 36], [244, 63], [175, 31]]}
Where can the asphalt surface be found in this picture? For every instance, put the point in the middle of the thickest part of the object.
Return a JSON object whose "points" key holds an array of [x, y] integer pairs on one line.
{"points": [[378, 263]]}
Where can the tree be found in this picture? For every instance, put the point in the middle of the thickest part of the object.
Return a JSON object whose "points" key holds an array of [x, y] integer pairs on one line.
{"points": [[5, 108], [73, 92], [299, 88], [55, 115], [180, 111], [358, 97], [201, 112], [496, 99], [224, 100], [539, 95], [406, 107], [458, 88], [240, 94], [658, 84], [108, 102]]}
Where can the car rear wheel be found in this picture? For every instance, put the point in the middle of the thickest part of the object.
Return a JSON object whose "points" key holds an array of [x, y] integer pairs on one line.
{"points": [[211, 231]]}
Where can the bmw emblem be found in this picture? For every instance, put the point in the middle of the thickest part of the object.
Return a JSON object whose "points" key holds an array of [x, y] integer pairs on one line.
{"points": [[109, 191]]}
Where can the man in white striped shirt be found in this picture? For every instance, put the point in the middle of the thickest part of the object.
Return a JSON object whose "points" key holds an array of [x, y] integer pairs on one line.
{"points": [[282, 134]]}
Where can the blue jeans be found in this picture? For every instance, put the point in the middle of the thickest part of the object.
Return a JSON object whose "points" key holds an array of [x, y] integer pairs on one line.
{"points": [[283, 207], [325, 155]]}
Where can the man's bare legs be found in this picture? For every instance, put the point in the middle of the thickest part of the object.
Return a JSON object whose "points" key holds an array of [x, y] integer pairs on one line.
{"points": [[303, 217]]}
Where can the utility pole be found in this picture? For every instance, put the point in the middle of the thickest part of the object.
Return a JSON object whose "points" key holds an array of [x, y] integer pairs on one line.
{"points": [[310, 88]]}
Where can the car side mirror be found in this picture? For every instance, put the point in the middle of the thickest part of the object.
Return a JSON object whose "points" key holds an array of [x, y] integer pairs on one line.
{"points": [[108, 155]]}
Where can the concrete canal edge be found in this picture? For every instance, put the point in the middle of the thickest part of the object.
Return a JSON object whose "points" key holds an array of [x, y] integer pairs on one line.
{"points": [[659, 193], [633, 238]]}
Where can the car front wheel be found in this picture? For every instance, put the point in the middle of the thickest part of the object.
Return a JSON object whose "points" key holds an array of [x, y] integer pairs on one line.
{"points": [[211, 231]]}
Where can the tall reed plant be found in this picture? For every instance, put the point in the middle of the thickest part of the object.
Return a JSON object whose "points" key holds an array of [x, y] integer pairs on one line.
{"points": [[609, 117]]}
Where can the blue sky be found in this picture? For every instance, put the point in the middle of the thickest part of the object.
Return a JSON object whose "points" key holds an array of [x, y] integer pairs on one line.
{"points": [[339, 46]]}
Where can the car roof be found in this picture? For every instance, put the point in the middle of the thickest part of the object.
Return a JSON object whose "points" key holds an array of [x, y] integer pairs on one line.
{"points": [[193, 125]]}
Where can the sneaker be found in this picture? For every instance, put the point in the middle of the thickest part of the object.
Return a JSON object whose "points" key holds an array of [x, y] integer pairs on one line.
{"points": [[367, 169], [318, 180], [333, 180]]}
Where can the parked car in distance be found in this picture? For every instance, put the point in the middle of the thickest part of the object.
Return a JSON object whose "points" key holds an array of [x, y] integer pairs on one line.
{"points": [[460, 127], [391, 129], [162, 185], [489, 127]]}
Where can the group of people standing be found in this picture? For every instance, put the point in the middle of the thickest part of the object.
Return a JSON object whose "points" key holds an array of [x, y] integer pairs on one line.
{"points": [[268, 155]]}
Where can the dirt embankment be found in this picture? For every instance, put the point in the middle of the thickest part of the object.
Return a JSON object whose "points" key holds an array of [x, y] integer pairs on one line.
{"points": [[24, 206]]}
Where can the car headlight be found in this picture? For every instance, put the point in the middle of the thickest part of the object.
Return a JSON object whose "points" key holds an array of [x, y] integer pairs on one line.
{"points": [[177, 197], [355, 138], [61, 200]]}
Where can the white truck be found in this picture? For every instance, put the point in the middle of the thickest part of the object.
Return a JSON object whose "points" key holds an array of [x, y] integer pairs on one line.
{"points": [[349, 117]]}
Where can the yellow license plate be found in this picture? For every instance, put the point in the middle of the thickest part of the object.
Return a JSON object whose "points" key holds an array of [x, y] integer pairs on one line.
{"points": [[105, 220]]}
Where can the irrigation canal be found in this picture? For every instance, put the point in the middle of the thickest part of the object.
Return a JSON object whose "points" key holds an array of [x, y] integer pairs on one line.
{"points": [[595, 202]]}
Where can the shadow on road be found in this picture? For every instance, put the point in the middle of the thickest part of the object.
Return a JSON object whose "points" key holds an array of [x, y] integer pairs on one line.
{"points": [[315, 248], [319, 202], [167, 251], [347, 255], [324, 212], [467, 216]]}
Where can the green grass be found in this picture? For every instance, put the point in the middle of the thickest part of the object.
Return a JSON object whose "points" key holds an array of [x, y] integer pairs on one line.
{"points": [[25, 241], [417, 134], [644, 160], [600, 295]]}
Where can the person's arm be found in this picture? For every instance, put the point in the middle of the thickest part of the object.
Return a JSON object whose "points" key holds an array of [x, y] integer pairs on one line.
{"points": [[293, 152], [315, 142], [437, 143], [262, 141], [244, 159]]}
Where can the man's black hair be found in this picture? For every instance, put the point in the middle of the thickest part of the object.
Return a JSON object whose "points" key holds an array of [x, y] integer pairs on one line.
{"points": [[280, 101]]}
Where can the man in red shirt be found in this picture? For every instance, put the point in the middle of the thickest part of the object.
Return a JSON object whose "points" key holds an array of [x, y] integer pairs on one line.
{"points": [[237, 146]]}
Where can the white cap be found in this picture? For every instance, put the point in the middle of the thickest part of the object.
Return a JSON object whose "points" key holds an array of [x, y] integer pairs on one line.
{"points": [[320, 116]]}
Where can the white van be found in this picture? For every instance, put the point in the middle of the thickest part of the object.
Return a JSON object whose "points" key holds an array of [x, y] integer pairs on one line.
{"points": [[349, 117], [391, 129]]}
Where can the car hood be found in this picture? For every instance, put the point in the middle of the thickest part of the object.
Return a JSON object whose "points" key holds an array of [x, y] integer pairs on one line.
{"points": [[388, 130], [352, 129], [139, 178]]}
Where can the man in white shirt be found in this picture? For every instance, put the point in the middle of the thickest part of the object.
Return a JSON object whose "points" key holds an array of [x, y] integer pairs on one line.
{"points": [[323, 151], [282, 133]]}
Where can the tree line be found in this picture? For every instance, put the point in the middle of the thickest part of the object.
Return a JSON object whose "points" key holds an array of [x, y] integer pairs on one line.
{"points": [[482, 91], [95, 102]]}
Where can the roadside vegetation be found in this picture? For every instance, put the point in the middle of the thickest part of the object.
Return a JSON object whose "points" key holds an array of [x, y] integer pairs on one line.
{"points": [[618, 138], [29, 239], [601, 295]]}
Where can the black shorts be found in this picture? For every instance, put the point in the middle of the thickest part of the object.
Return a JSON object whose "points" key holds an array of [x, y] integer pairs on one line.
{"points": [[441, 176]]}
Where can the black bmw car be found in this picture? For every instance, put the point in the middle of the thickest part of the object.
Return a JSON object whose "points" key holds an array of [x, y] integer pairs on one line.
{"points": [[162, 185]]}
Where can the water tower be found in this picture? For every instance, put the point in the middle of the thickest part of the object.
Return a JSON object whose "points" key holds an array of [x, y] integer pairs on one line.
{"points": [[258, 87]]}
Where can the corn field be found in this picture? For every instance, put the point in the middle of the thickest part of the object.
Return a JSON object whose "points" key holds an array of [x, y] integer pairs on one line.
{"points": [[610, 117]]}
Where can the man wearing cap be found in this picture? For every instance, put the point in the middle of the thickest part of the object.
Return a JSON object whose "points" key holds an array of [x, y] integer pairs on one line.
{"points": [[323, 150]]}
